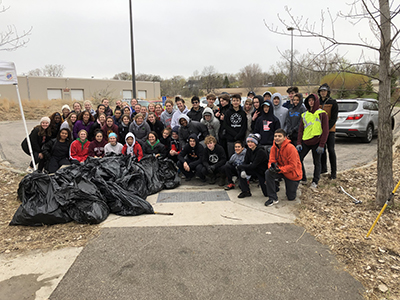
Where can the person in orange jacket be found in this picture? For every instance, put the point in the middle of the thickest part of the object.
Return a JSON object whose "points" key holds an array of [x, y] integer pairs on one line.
{"points": [[284, 162]]}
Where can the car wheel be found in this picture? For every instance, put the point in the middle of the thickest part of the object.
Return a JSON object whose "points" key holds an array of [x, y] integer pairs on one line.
{"points": [[369, 134]]}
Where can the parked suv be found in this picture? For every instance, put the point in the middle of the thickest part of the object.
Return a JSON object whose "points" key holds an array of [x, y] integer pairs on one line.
{"points": [[358, 118]]}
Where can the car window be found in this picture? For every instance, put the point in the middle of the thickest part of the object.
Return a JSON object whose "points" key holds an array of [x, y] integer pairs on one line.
{"points": [[347, 106], [374, 106], [367, 105]]}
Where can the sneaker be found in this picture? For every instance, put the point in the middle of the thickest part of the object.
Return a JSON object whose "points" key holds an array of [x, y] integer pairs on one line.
{"points": [[234, 179], [230, 186], [29, 170], [313, 185], [188, 178], [244, 194], [332, 177], [269, 202], [324, 171]]}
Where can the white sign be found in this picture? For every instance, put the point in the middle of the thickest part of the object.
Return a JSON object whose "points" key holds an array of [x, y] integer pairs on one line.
{"points": [[8, 74]]}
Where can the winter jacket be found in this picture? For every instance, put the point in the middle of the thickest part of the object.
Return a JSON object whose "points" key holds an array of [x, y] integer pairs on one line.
{"points": [[259, 110], [177, 115], [266, 125], [196, 115], [157, 148], [123, 131], [55, 148], [157, 127], [293, 118], [279, 111], [37, 141], [237, 159], [320, 139], [78, 150], [79, 125], [287, 159], [249, 116], [212, 125], [192, 127], [117, 121], [140, 131], [135, 151], [222, 131], [96, 125], [331, 107], [108, 112], [235, 123], [96, 148], [215, 158], [107, 130], [166, 117], [255, 160], [192, 155]]}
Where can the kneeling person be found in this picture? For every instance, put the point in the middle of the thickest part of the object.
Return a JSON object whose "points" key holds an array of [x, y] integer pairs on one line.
{"points": [[284, 162], [190, 159], [213, 159]]}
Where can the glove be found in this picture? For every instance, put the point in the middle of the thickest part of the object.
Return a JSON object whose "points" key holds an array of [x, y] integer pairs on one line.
{"points": [[272, 170], [210, 170], [243, 174], [320, 150], [299, 147]]}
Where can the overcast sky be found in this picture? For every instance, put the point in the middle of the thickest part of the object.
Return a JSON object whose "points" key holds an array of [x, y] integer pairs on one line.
{"points": [[172, 37]]}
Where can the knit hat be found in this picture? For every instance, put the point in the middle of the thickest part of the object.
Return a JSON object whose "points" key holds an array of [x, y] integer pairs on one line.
{"points": [[175, 129], [112, 134], [45, 119], [254, 137], [65, 106]]}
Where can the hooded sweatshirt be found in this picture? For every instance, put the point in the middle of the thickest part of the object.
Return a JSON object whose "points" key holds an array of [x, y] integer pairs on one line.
{"points": [[157, 148], [238, 159], [192, 155], [320, 139], [192, 127], [97, 148], [166, 117], [177, 115], [135, 150], [294, 118], [235, 123], [215, 157], [140, 131], [212, 125], [259, 111], [330, 106], [266, 124], [287, 159], [279, 111]]}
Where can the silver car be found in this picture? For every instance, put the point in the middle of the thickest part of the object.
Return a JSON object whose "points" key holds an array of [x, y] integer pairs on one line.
{"points": [[358, 118]]}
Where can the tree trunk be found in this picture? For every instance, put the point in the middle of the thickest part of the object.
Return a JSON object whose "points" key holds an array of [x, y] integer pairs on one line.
{"points": [[385, 136]]}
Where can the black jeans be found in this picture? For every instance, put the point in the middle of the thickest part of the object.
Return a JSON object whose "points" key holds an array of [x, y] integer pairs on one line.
{"points": [[56, 162], [330, 146], [316, 161], [229, 170], [291, 186], [193, 172], [244, 186]]}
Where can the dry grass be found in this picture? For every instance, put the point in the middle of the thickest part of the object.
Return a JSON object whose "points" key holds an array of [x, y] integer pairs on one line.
{"points": [[335, 221], [19, 238]]}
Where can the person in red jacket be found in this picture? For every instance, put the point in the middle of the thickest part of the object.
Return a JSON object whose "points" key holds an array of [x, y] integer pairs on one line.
{"points": [[79, 150], [284, 162], [132, 147]]}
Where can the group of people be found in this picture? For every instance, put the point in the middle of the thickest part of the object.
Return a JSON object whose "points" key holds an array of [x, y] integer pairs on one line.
{"points": [[264, 140]]}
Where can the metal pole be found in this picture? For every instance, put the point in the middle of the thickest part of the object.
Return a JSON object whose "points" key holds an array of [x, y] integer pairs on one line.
{"points": [[291, 56], [29, 90], [132, 52]]}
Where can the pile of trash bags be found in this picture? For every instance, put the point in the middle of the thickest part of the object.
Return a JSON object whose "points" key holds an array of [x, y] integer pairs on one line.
{"points": [[89, 192]]}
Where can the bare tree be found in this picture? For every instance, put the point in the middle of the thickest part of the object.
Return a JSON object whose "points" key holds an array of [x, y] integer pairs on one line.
{"points": [[49, 71], [10, 39], [251, 77], [123, 76], [210, 79], [36, 72], [173, 86], [381, 21]]}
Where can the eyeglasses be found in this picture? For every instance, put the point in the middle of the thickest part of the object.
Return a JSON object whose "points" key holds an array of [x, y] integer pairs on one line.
{"points": [[195, 102]]}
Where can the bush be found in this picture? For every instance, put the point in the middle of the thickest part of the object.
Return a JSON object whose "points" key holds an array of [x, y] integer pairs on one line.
{"points": [[345, 83]]}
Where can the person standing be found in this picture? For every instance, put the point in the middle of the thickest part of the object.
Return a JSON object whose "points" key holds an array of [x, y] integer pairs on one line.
{"points": [[196, 111], [166, 115], [313, 133], [331, 107], [182, 110]]}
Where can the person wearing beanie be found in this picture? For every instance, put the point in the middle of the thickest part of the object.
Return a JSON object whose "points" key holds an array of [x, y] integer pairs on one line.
{"points": [[284, 163], [293, 118], [255, 164], [211, 122], [313, 133], [196, 111], [332, 109], [39, 135], [65, 110], [266, 125], [113, 145]]}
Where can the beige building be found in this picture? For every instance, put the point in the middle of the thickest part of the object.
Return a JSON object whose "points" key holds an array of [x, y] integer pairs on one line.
{"points": [[43, 88]]}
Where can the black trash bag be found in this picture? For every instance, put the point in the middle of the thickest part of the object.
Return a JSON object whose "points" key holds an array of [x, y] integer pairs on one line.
{"points": [[39, 206], [150, 165], [120, 201], [83, 202], [167, 172], [109, 168], [66, 176], [134, 181]]}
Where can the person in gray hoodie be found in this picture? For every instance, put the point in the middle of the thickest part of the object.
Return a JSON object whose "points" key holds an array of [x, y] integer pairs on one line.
{"points": [[189, 127], [139, 128], [293, 118], [166, 115], [211, 122], [279, 111]]}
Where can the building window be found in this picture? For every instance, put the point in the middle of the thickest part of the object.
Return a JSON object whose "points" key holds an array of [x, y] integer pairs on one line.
{"points": [[53, 94], [142, 94], [127, 95], [77, 95]]}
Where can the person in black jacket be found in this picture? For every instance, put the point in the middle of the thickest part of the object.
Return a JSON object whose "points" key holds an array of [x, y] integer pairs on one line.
{"points": [[195, 114], [56, 151], [123, 128], [55, 124], [214, 159], [39, 135], [255, 163], [188, 127], [153, 146], [190, 159], [235, 123], [155, 125]]}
